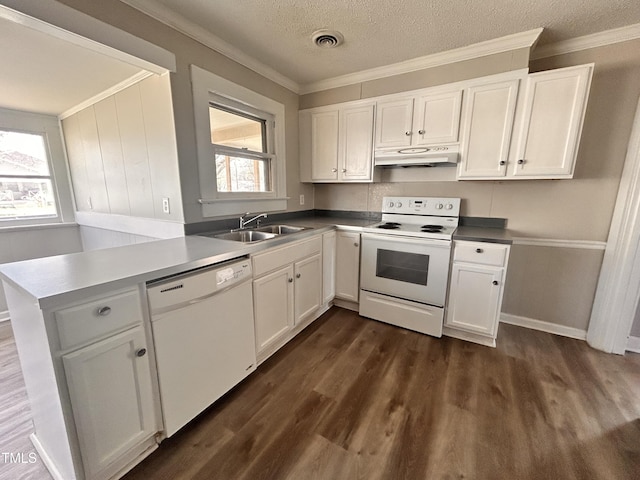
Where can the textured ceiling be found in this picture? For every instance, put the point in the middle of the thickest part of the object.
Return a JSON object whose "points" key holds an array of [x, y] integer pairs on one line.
{"points": [[277, 32]]}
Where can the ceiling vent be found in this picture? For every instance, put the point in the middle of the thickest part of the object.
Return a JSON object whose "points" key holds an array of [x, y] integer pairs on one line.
{"points": [[327, 38]]}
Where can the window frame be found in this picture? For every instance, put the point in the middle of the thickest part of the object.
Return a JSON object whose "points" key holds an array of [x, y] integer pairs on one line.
{"points": [[48, 127], [210, 88]]}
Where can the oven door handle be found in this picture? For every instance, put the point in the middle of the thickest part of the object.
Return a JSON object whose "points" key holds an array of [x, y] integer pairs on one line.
{"points": [[432, 242]]}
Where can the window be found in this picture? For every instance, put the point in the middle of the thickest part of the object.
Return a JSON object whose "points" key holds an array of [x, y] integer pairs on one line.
{"points": [[240, 146], [26, 187]]}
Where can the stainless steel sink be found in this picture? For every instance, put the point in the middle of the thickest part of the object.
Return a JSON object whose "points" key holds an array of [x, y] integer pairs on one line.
{"points": [[280, 229], [245, 236]]}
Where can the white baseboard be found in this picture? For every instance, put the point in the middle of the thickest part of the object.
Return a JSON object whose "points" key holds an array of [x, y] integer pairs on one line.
{"points": [[4, 316], [46, 459], [542, 326], [633, 344]]}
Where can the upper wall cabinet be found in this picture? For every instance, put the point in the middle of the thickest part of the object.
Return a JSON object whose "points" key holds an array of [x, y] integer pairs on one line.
{"points": [[428, 119], [336, 143], [546, 121], [552, 118]]}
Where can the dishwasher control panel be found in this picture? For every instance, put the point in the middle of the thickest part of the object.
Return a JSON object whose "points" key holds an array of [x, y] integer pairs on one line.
{"points": [[169, 293]]}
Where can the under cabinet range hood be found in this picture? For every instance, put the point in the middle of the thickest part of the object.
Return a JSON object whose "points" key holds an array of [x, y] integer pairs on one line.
{"points": [[417, 156]]}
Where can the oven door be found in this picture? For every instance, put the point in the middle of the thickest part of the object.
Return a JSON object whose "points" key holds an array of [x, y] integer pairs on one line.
{"points": [[406, 267]]}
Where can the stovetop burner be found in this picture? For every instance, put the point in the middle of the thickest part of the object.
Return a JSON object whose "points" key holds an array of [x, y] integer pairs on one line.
{"points": [[390, 226], [435, 228]]}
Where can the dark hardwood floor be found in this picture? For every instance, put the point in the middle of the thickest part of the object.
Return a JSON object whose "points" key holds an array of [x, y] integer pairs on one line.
{"points": [[352, 398]]}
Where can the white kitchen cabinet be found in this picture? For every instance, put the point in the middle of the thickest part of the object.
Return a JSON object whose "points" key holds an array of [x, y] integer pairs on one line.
{"points": [[476, 289], [552, 117], [287, 292], [274, 306], [111, 398], [307, 287], [428, 118], [347, 265], [328, 266], [336, 143], [524, 128], [489, 112]]}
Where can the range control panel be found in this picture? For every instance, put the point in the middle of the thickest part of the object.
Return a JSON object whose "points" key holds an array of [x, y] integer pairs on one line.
{"points": [[447, 207]]}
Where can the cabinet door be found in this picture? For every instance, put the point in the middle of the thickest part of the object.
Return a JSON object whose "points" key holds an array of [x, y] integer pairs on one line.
{"points": [[328, 266], [111, 397], [488, 124], [437, 118], [356, 143], [273, 306], [553, 115], [324, 145], [347, 265], [308, 287], [475, 293], [393, 123]]}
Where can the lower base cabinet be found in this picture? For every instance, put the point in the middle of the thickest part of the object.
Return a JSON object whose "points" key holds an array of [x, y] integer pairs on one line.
{"points": [[111, 397], [475, 291], [287, 291]]}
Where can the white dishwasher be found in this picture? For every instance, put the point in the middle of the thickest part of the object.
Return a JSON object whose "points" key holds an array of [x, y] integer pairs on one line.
{"points": [[203, 333]]}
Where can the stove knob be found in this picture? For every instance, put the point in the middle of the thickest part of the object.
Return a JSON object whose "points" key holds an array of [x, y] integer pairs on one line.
{"points": [[449, 206], [399, 204], [438, 206], [391, 204]]}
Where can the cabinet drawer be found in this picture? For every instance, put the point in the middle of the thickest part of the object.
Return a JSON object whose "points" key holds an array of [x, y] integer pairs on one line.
{"points": [[279, 257], [92, 320], [481, 253]]}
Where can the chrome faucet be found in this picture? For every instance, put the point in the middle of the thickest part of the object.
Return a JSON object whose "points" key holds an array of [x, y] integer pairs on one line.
{"points": [[243, 222]]}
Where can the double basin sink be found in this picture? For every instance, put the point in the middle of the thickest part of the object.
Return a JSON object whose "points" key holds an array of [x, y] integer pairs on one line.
{"points": [[257, 234]]}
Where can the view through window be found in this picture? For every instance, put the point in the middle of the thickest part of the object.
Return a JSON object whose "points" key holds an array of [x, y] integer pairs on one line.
{"points": [[26, 188], [243, 163]]}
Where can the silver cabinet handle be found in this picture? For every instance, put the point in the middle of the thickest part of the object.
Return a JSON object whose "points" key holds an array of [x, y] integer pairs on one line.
{"points": [[502, 162], [421, 132], [495, 282], [104, 311], [298, 275], [291, 280], [479, 250], [344, 170], [356, 244], [407, 133], [521, 161], [334, 170], [141, 353]]}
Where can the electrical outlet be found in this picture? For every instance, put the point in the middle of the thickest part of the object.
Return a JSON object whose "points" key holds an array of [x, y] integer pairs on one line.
{"points": [[165, 205], [301, 199]]}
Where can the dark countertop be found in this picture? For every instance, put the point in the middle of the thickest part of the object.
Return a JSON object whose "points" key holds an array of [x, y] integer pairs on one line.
{"points": [[483, 234]]}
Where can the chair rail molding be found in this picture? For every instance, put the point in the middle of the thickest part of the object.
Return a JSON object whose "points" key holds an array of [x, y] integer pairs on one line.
{"points": [[618, 290]]}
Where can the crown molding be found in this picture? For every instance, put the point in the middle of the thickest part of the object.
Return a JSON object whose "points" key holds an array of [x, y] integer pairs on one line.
{"points": [[600, 39], [503, 44], [201, 35]]}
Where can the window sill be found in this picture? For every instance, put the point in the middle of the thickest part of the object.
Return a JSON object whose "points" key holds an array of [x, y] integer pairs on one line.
{"points": [[222, 207], [42, 226]]}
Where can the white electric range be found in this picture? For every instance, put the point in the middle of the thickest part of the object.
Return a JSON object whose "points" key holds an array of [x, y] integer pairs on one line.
{"points": [[406, 260]]}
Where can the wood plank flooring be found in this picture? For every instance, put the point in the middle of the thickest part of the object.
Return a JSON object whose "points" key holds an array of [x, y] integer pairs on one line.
{"points": [[15, 418], [351, 398]]}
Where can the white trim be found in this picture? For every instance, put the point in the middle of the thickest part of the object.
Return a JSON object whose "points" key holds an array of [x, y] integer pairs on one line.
{"points": [[85, 31], [490, 47], [468, 336], [46, 459], [618, 290], [138, 77], [148, 227], [600, 39], [559, 243], [4, 316], [204, 36], [633, 344], [543, 326]]}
